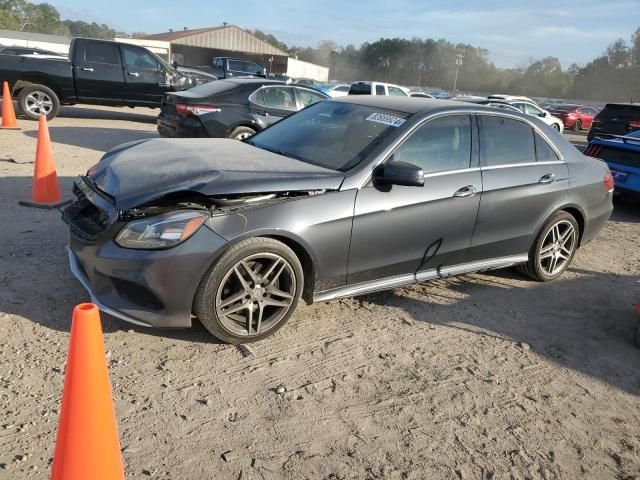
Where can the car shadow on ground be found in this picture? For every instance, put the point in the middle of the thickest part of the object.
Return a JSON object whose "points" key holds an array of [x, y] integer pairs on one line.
{"points": [[126, 114], [93, 138], [584, 320], [626, 209]]}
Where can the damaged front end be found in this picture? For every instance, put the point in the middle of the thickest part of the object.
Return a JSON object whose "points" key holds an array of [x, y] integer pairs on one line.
{"points": [[176, 216]]}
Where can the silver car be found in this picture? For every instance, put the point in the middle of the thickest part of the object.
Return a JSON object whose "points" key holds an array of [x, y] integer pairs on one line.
{"points": [[346, 197]]}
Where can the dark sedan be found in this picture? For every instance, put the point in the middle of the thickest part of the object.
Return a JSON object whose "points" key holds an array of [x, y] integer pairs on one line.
{"points": [[235, 108], [348, 196]]}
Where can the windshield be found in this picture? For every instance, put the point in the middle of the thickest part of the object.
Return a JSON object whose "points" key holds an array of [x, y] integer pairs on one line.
{"points": [[332, 135]]}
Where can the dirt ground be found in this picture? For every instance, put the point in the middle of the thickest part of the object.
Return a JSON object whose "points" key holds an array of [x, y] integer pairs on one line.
{"points": [[483, 376]]}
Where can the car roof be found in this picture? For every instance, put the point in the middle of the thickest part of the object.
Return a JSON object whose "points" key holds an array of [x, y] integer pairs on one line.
{"points": [[249, 81], [408, 105]]}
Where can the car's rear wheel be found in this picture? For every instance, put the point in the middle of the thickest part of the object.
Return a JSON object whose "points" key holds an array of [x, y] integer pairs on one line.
{"points": [[577, 126], [553, 249], [241, 133], [251, 291]]}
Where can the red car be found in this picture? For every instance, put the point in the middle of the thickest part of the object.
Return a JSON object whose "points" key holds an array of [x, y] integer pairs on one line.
{"points": [[575, 117]]}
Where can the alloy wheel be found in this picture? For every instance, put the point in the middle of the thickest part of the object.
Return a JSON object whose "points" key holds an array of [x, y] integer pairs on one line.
{"points": [[557, 248], [255, 294], [242, 136], [39, 103]]}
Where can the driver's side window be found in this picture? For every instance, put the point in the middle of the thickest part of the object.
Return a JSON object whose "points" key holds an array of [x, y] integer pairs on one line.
{"points": [[440, 145], [135, 58]]}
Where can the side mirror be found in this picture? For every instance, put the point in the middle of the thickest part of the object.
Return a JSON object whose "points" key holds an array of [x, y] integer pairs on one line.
{"points": [[174, 64], [399, 173], [543, 114]]}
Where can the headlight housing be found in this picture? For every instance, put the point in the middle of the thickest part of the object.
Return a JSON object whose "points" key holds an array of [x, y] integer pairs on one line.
{"points": [[161, 231]]}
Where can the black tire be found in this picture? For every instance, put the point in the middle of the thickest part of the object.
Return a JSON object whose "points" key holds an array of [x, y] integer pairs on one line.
{"points": [[50, 104], [241, 133], [556, 126], [577, 126], [204, 306], [533, 268]]}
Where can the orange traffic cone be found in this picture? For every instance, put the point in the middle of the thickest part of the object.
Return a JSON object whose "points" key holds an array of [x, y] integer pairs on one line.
{"points": [[45, 192], [87, 445], [8, 113]]}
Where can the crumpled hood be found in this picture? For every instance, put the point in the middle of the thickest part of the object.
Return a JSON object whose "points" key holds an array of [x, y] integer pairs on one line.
{"points": [[139, 172]]}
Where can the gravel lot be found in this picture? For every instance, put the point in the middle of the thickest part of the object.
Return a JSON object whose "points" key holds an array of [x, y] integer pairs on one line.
{"points": [[483, 376]]}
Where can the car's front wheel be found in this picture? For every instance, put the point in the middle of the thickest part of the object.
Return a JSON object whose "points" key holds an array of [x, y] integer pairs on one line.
{"points": [[577, 126], [556, 126], [553, 249], [251, 291]]}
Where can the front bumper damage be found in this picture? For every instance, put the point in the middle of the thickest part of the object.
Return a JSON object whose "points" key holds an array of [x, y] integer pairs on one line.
{"points": [[152, 288]]}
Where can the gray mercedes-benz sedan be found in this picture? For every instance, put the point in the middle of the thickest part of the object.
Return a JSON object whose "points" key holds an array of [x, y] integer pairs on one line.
{"points": [[348, 196]]}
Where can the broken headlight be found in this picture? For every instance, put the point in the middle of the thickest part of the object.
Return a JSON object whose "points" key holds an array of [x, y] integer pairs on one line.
{"points": [[161, 231]]}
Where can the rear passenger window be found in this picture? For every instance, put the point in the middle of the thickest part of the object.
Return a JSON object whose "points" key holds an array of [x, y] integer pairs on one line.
{"points": [[99, 52], [504, 141], [440, 145], [380, 90], [307, 97], [544, 152], [280, 98]]}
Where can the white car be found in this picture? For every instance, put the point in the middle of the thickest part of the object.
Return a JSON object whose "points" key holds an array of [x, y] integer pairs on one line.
{"points": [[510, 98], [531, 108], [377, 88], [337, 90], [421, 95]]}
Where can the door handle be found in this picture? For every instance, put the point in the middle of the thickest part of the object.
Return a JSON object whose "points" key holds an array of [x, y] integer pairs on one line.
{"points": [[548, 178], [133, 74], [87, 69], [466, 192]]}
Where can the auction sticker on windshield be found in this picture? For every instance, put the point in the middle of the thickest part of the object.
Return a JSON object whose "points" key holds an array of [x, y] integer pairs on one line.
{"points": [[386, 119]]}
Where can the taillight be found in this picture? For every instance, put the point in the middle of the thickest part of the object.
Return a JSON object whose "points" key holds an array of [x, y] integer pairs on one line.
{"points": [[592, 150], [186, 109], [608, 182], [595, 122], [633, 125]]}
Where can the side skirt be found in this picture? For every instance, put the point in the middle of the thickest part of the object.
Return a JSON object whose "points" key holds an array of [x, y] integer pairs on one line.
{"points": [[422, 276]]}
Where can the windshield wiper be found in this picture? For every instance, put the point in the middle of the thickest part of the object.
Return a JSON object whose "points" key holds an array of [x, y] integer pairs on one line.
{"points": [[279, 152]]}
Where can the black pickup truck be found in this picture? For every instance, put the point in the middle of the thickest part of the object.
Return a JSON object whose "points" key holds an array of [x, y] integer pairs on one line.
{"points": [[98, 72], [227, 67]]}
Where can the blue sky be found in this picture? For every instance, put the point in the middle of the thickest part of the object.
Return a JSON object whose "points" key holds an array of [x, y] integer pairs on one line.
{"points": [[513, 31]]}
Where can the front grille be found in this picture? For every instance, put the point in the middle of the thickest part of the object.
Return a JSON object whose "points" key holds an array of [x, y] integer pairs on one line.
{"points": [[86, 221]]}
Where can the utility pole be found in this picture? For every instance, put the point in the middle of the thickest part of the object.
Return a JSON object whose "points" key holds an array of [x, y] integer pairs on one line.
{"points": [[459, 57]]}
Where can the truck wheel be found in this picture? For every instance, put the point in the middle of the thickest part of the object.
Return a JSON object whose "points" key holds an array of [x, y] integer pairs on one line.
{"points": [[35, 100]]}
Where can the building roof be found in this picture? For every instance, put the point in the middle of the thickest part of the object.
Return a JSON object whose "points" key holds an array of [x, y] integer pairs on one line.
{"points": [[225, 37], [34, 37]]}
